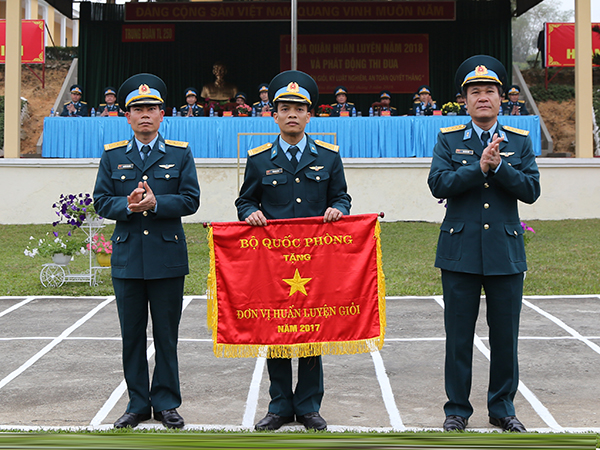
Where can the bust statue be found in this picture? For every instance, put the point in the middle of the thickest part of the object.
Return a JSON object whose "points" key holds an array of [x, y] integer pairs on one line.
{"points": [[219, 90]]}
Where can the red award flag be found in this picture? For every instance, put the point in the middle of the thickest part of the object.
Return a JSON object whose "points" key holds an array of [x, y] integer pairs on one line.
{"points": [[296, 287]]}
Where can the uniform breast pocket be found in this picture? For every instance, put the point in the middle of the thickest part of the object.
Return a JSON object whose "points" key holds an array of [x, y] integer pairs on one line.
{"points": [[513, 161], [276, 189], [316, 186], [516, 246], [464, 160], [119, 255], [450, 241], [167, 179], [124, 181]]}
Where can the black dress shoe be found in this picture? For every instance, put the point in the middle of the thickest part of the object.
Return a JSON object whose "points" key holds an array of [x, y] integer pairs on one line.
{"points": [[509, 423], [272, 422], [131, 420], [455, 423], [170, 418], [312, 421]]}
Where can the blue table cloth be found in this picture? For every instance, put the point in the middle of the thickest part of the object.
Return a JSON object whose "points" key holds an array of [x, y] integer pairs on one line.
{"points": [[220, 137]]}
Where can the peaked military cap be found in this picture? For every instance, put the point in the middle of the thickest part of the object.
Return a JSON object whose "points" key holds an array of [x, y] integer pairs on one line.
{"points": [[191, 91], [514, 89], [340, 90], [415, 96], [110, 90], [142, 89], [480, 69], [424, 89], [240, 95], [294, 86], [385, 94], [263, 87], [76, 89]]}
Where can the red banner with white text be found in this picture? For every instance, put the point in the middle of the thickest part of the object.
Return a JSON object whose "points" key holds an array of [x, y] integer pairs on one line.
{"points": [[560, 44], [296, 287], [363, 63], [33, 50]]}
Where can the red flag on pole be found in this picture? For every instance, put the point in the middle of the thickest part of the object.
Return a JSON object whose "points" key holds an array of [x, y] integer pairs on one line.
{"points": [[296, 287]]}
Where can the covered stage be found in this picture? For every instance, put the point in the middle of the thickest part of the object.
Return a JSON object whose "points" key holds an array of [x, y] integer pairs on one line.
{"points": [[224, 137]]}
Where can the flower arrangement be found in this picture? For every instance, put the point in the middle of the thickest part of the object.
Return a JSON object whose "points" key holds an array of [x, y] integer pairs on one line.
{"points": [[450, 107], [324, 109], [528, 232], [74, 208], [52, 244], [243, 110], [100, 244]]}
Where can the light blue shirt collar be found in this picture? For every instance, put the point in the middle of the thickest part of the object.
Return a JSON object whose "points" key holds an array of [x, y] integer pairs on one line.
{"points": [[479, 130], [301, 146], [140, 145]]}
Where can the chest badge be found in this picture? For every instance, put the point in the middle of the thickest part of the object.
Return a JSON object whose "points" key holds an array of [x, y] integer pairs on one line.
{"points": [[166, 166], [274, 171], [125, 166], [461, 151], [507, 154], [316, 168]]}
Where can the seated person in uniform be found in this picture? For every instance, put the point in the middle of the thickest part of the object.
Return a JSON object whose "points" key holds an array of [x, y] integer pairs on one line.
{"points": [[264, 105], [191, 108], [385, 98], [342, 104], [426, 105], [240, 98], [75, 108], [111, 107], [463, 104], [513, 106], [416, 101]]}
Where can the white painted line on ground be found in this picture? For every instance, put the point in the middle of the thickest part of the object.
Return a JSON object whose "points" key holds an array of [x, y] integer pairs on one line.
{"points": [[537, 406], [387, 393], [16, 306], [252, 400], [54, 343], [120, 390], [564, 326]]}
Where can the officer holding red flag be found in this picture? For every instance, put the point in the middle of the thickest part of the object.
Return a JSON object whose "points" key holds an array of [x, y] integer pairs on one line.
{"points": [[294, 176]]}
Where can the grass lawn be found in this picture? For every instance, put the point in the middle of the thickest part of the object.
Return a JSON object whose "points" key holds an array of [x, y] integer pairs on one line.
{"points": [[562, 258]]}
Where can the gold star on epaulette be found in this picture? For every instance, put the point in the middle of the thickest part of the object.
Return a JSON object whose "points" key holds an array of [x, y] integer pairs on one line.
{"points": [[516, 130], [180, 144], [328, 146], [454, 128], [262, 148], [114, 145]]}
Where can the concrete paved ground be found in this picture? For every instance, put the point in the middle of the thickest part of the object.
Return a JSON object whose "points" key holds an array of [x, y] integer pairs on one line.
{"points": [[61, 368]]}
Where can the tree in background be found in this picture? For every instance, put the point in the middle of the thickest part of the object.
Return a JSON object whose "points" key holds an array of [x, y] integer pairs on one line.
{"points": [[527, 27]]}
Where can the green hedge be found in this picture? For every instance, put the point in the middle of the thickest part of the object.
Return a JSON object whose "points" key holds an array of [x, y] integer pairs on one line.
{"points": [[558, 92], [61, 53]]}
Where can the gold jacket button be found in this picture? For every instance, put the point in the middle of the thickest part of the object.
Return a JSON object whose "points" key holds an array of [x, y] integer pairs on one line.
{"points": [[486, 226], [145, 177], [509, 164], [451, 230], [118, 238], [464, 161], [167, 176], [486, 205], [516, 234], [145, 213], [275, 183], [144, 195], [298, 200], [297, 180], [486, 185], [318, 178], [146, 232], [176, 238], [123, 177]]}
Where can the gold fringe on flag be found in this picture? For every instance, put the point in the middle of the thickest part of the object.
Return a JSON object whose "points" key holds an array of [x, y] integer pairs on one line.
{"points": [[294, 350]]}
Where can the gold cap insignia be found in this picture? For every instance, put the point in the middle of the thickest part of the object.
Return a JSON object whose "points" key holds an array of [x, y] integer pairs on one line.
{"points": [[481, 70], [293, 87], [144, 89]]}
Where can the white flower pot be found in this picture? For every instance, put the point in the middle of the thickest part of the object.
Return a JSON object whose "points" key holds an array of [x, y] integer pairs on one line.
{"points": [[61, 259]]}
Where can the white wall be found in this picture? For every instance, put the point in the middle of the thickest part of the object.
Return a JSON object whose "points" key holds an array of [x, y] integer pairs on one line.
{"points": [[398, 187]]}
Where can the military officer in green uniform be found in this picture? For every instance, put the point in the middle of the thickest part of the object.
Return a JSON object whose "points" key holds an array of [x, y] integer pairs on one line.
{"points": [[294, 176], [483, 169], [75, 108], [191, 108], [513, 106], [146, 185], [110, 105], [342, 103]]}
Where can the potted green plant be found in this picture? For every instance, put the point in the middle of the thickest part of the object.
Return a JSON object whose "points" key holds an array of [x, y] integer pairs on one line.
{"points": [[75, 209], [450, 109], [102, 248], [60, 249]]}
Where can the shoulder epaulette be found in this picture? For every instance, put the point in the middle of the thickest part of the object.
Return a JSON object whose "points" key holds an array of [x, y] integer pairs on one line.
{"points": [[262, 148], [516, 130], [67, 103], [333, 104], [102, 104], [350, 103], [83, 103], [328, 146], [180, 144], [255, 103], [522, 101], [504, 101], [114, 145], [454, 128], [183, 106]]}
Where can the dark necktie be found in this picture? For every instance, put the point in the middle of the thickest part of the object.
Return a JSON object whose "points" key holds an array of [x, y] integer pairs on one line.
{"points": [[145, 151], [293, 150], [485, 137]]}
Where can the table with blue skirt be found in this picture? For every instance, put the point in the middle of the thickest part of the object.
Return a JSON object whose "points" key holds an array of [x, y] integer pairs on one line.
{"points": [[223, 137]]}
